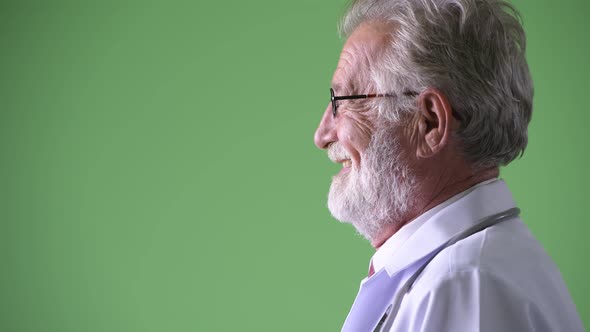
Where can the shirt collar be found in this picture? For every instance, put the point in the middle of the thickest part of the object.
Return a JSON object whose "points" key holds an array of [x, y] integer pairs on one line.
{"points": [[389, 251]]}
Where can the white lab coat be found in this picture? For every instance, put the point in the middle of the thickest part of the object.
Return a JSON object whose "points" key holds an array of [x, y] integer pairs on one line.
{"points": [[499, 279]]}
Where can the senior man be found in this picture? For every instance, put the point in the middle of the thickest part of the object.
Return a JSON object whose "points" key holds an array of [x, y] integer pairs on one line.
{"points": [[429, 99]]}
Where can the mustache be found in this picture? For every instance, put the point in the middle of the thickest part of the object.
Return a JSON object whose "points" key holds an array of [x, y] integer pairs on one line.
{"points": [[336, 152]]}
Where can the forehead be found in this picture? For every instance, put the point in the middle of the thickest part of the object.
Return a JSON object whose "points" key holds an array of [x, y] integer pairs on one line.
{"points": [[359, 53]]}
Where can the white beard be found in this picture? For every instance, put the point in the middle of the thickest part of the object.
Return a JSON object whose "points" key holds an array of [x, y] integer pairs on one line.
{"points": [[378, 194]]}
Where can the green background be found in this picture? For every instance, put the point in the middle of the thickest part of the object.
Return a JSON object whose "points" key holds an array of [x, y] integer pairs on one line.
{"points": [[158, 171]]}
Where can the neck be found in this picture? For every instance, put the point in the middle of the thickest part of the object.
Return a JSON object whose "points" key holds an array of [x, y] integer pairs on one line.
{"points": [[435, 194]]}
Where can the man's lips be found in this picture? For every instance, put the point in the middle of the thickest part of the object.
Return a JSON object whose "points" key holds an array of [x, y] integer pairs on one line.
{"points": [[346, 165]]}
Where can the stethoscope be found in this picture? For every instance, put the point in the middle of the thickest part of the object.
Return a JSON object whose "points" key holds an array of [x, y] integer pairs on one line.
{"points": [[387, 320]]}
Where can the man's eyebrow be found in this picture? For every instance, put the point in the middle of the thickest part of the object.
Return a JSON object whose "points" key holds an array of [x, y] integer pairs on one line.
{"points": [[337, 87]]}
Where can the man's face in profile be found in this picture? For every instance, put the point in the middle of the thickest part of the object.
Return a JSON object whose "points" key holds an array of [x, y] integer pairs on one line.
{"points": [[373, 185]]}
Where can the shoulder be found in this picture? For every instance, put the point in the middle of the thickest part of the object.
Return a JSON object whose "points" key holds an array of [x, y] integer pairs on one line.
{"points": [[469, 300], [506, 253], [505, 256], [497, 280]]}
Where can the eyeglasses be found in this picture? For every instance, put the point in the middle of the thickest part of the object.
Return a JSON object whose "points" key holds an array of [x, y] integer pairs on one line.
{"points": [[334, 98]]}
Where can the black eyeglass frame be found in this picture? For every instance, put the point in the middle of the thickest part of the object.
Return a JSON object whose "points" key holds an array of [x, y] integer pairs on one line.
{"points": [[334, 98]]}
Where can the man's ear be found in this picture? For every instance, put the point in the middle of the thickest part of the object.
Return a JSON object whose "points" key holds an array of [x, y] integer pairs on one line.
{"points": [[434, 120]]}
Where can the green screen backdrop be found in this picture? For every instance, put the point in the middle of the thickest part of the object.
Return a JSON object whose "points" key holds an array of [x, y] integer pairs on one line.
{"points": [[158, 171]]}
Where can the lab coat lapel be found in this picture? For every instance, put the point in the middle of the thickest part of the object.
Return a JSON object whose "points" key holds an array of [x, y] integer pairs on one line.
{"points": [[374, 298], [371, 302]]}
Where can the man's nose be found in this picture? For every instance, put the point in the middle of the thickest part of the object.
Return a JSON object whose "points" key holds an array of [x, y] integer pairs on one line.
{"points": [[326, 132]]}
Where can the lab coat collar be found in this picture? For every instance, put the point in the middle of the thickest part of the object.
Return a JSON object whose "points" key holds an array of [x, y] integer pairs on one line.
{"points": [[447, 220], [397, 240]]}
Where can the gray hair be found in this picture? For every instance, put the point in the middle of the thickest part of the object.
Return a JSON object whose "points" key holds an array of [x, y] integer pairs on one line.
{"points": [[471, 50]]}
